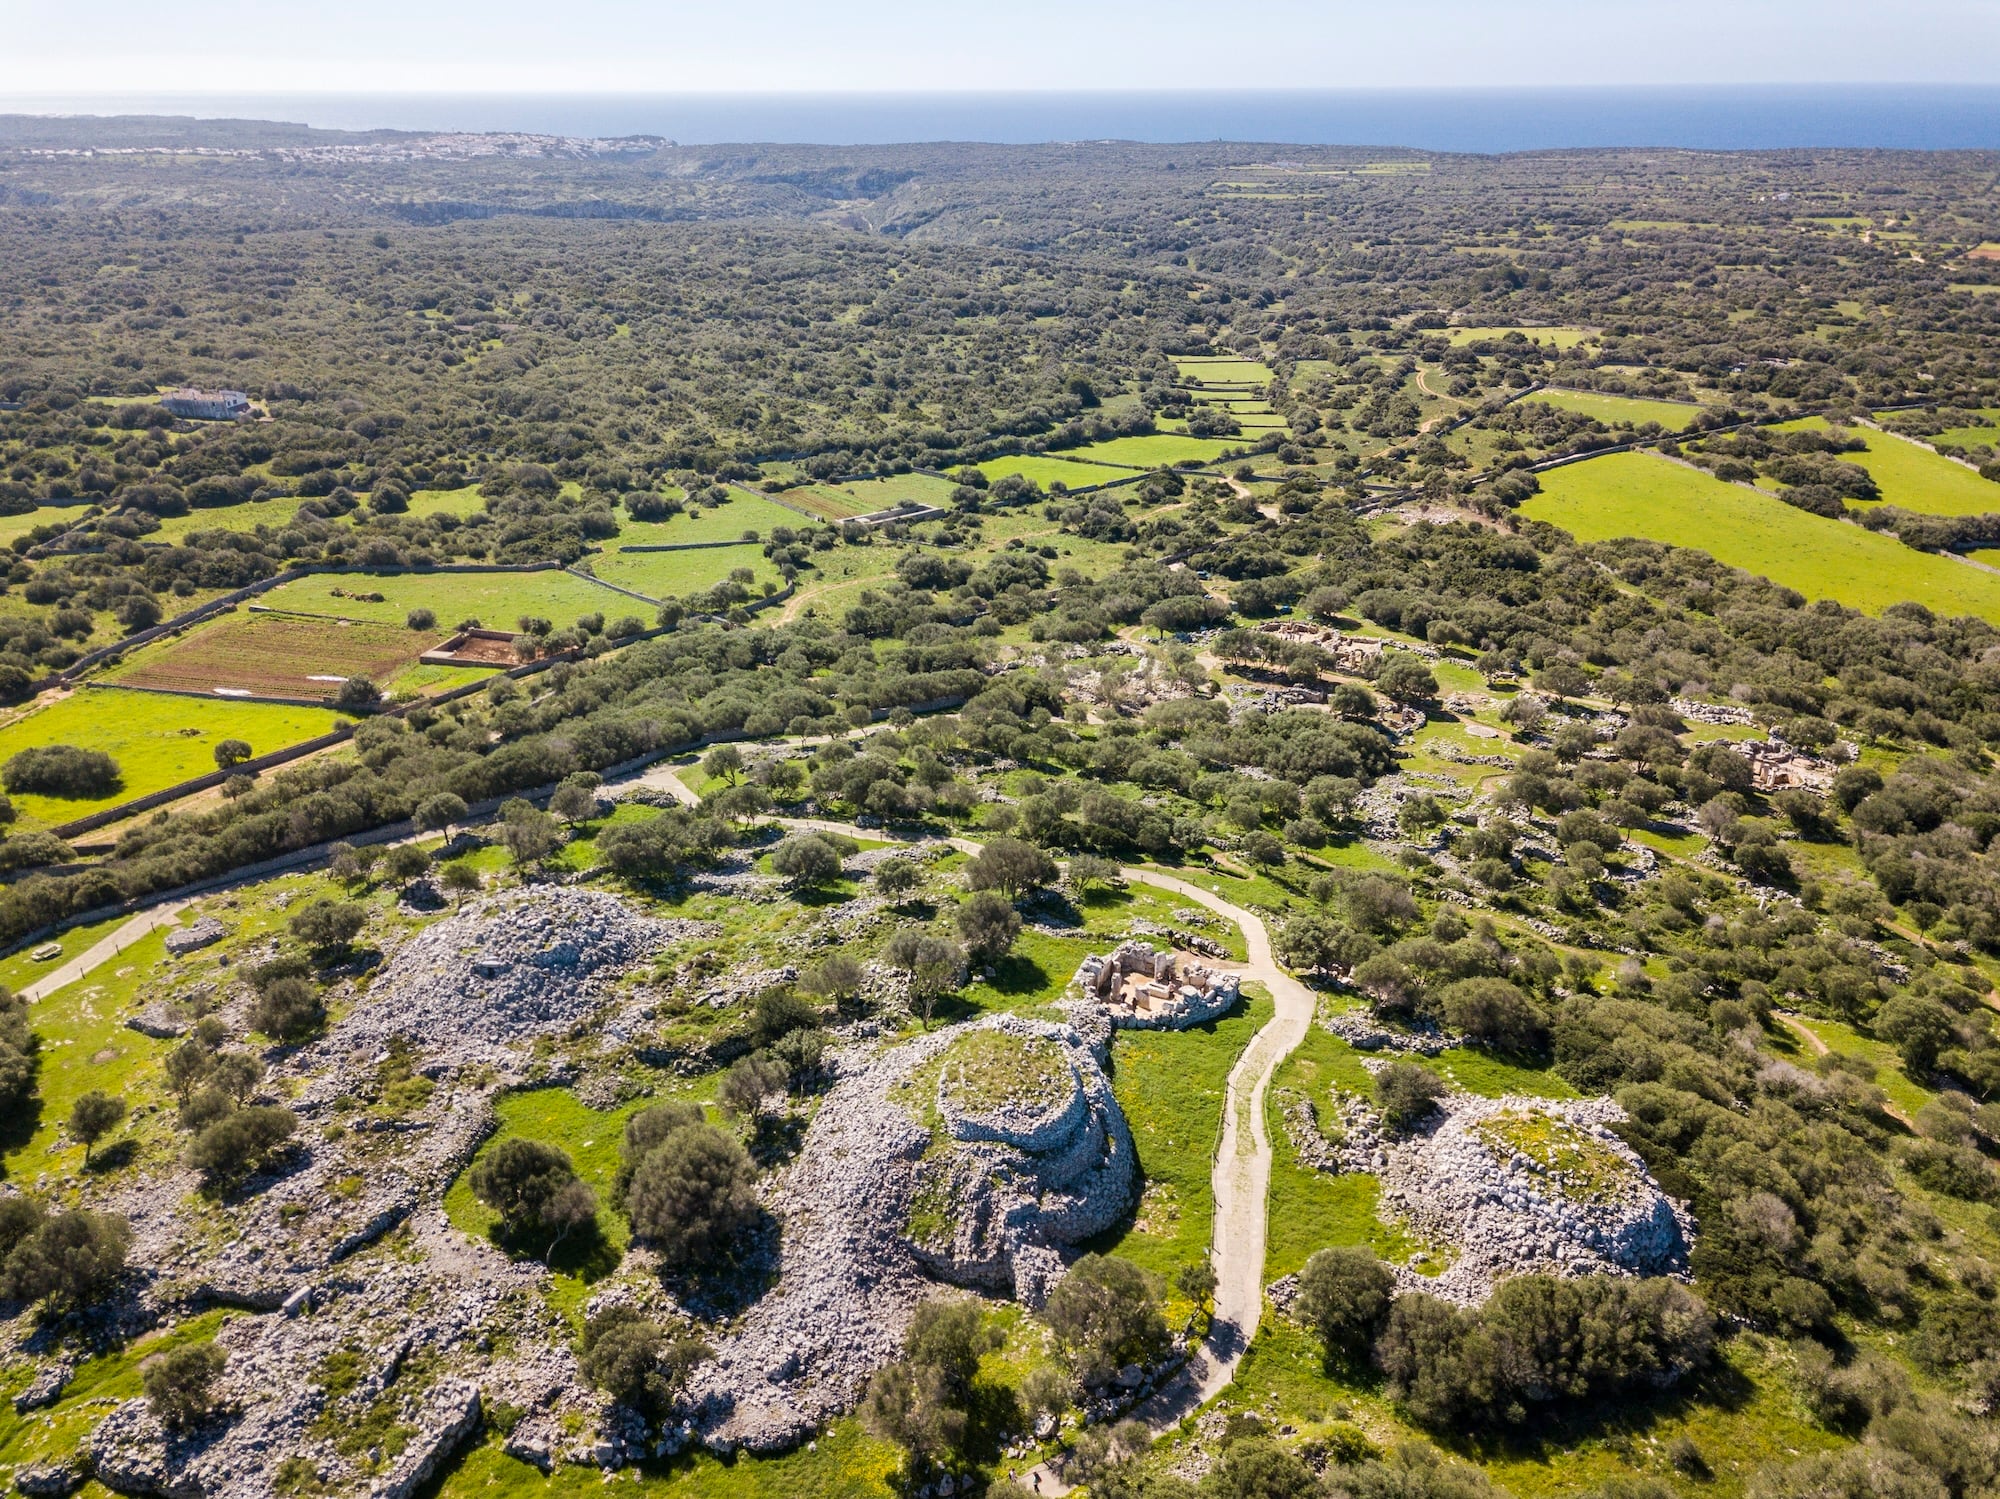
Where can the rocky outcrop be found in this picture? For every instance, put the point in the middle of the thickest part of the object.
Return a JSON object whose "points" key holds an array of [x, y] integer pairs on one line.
{"points": [[893, 1192], [505, 970], [1507, 1186], [187, 939]]}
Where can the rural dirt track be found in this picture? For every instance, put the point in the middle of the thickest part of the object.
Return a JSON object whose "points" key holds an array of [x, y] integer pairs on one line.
{"points": [[1242, 1173], [1242, 1176]]}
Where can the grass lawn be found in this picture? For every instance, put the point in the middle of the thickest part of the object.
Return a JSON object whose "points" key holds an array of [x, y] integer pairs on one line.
{"points": [[659, 575], [867, 495], [275, 513], [556, 1116], [497, 600], [1047, 471], [1915, 478], [98, 1384], [1616, 411], [1171, 1086], [1642, 494], [157, 740], [1561, 338]]}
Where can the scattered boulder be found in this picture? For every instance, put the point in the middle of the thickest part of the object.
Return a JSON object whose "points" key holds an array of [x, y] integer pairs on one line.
{"points": [[187, 939]]}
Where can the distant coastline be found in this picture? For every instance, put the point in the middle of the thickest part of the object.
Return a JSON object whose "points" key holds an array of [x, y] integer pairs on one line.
{"points": [[1749, 117]]}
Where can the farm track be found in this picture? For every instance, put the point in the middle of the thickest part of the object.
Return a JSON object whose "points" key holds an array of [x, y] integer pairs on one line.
{"points": [[1242, 1175], [1242, 1171]]}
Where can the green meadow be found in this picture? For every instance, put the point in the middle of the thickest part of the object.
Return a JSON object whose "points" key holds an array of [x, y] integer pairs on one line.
{"points": [[1615, 411], [728, 523], [660, 575], [1642, 494], [1224, 371], [1151, 452], [1047, 471], [1914, 477], [158, 739], [1561, 338]]}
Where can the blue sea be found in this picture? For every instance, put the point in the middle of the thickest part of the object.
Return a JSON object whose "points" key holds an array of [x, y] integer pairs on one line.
{"points": [[1919, 117]]}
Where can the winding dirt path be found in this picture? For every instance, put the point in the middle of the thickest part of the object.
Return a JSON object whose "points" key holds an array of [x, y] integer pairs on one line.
{"points": [[1242, 1176]]}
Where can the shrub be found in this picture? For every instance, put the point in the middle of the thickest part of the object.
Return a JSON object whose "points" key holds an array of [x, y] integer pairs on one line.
{"points": [[180, 1384], [691, 1195], [1493, 1012], [231, 753], [70, 1260], [61, 770], [1011, 867], [287, 1009], [1406, 1093], [533, 1186], [1344, 1295], [1539, 1339], [240, 1142], [328, 927], [421, 619], [93, 1116], [634, 1361], [1106, 1313], [988, 925], [808, 861]]}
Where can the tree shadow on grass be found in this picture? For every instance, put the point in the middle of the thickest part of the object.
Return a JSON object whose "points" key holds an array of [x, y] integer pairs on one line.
{"points": [[1015, 974], [1612, 1420], [18, 1125], [584, 1254], [113, 1157]]}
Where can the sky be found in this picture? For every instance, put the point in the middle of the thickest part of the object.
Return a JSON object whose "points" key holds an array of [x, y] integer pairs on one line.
{"points": [[673, 46]]}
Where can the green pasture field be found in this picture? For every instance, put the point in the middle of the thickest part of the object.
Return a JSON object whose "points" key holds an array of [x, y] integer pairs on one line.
{"points": [[275, 513], [1151, 452], [660, 575], [498, 600], [1561, 338], [42, 515], [844, 1463], [744, 512], [1171, 1085], [1910, 475], [1224, 371], [157, 739], [1046, 471], [458, 502], [827, 504], [1620, 410], [1987, 555], [1642, 494], [1970, 437], [865, 496]]}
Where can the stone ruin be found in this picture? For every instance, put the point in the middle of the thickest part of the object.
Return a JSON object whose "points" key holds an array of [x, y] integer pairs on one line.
{"points": [[1499, 1187], [431, 1321], [1137, 987], [977, 1156]]}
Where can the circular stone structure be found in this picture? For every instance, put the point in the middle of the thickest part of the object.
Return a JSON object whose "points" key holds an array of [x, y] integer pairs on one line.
{"points": [[1510, 1186], [1024, 1091]]}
